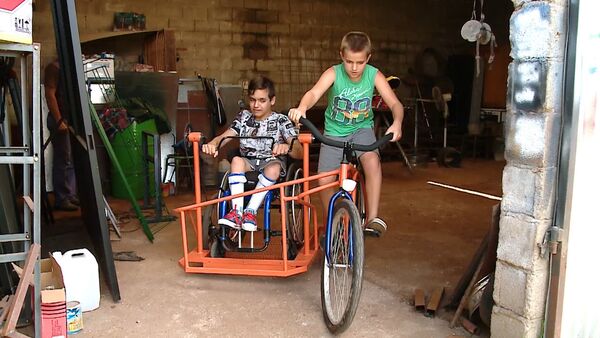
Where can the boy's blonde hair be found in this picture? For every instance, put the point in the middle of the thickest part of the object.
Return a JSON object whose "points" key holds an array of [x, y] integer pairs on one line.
{"points": [[356, 42]]}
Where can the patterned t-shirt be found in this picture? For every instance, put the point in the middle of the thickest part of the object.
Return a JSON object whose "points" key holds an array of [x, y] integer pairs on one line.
{"points": [[277, 126]]}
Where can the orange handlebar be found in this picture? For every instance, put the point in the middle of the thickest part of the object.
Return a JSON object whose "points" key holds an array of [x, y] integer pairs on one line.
{"points": [[195, 136]]}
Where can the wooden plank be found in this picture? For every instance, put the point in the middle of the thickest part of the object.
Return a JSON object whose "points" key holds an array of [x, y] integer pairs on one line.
{"points": [[434, 302], [419, 300], [15, 308], [5, 304]]}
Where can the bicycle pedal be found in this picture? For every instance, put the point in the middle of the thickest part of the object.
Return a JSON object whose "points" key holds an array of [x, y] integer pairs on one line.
{"points": [[371, 233]]}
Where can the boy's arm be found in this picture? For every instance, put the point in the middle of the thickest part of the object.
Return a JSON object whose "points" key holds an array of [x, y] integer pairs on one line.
{"points": [[210, 148], [313, 95], [389, 97], [50, 87]]}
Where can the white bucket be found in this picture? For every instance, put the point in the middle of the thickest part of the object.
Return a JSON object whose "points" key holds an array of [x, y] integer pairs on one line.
{"points": [[80, 276]]}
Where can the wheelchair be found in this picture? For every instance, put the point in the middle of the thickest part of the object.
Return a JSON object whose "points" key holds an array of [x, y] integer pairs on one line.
{"points": [[222, 239]]}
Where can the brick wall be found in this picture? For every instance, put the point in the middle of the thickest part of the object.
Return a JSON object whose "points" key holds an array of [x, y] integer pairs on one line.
{"points": [[292, 41]]}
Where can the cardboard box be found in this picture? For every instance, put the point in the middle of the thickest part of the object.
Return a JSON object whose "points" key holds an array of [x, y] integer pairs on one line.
{"points": [[16, 21], [53, 299]]}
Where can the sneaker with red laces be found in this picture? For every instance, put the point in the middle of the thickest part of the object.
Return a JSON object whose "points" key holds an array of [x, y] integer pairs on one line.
{"points": [[249, 221], [232, 219]]}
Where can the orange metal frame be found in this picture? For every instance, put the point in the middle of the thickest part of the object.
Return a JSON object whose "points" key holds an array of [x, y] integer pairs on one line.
{"points": [[198, 260]]}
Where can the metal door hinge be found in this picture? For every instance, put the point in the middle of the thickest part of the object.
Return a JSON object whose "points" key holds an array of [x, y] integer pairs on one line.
{"points": [[553, 236]]}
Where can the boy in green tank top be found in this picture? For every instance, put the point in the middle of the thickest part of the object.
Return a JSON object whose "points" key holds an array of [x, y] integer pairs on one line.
{"points": [[349, 117]]}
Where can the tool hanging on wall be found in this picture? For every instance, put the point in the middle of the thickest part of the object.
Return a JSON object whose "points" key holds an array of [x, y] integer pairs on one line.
{"points": [[479, 32]]}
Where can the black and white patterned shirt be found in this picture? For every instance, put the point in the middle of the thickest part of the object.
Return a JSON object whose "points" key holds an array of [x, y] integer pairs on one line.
{"points": [[277, 126]]}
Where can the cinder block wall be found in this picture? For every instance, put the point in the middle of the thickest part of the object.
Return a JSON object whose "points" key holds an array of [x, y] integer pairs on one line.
{"points": [[537, 35], [292, 41]]}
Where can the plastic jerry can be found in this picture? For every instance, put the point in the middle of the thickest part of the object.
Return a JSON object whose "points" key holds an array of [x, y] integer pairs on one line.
{"points": [[80, 275]]}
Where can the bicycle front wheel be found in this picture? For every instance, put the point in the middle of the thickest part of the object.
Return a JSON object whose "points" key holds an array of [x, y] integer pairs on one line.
{"points": [[341, 278]]}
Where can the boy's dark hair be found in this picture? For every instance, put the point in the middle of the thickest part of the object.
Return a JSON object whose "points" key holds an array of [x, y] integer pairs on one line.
{"points": [[356, 42], [261, 82]]}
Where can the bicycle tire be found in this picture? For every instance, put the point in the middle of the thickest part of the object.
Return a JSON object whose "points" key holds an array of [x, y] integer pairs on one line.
{"points": [[339, 317]]}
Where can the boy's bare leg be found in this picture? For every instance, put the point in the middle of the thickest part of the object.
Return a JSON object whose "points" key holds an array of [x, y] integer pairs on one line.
{"points": [[372, 169], [326, 194]]}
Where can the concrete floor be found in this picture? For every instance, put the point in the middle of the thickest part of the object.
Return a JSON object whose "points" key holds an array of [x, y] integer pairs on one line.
{"points": [[432, 236]]}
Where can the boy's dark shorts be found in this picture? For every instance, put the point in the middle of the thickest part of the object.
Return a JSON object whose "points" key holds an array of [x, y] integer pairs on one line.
{"points": [[260, 164]]}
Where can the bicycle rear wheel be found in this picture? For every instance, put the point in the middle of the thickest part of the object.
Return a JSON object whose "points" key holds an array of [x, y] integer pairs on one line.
{"points": [[341, 277]]}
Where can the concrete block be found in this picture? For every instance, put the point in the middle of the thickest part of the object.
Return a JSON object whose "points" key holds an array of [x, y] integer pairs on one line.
{"points": [[220, 64], [309, 19], [244, 14], [519, 3], [506, 324], [220, 14], [206, 26], [538, 30], [226, 27], [182, 24], [280, 28], [279, 5], [266, 16], [231, 51], [522, 292], [528, 191], [220, 39], [98, 22], [291, 18], [300, 32], [267, 65], [510, 287], [195, 13], [301, 6], [255, 4], [535, 85], [243, 64], [519, 238], [249, 27], [230, 76], [532, 139], [231, 3]]}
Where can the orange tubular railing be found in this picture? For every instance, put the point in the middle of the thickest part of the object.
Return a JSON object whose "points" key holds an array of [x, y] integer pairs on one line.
{"points": [[198, 260]]}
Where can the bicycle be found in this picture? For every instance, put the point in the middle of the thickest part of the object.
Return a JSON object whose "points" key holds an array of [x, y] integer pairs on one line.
{"points": [[344, 243]]}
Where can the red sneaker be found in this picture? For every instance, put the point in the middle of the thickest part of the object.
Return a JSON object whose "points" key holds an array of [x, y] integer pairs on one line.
{"points": [[232, 219], [249, 221]]}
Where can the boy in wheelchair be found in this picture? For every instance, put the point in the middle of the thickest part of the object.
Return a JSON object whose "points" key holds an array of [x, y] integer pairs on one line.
{"points": [[265, 140]]}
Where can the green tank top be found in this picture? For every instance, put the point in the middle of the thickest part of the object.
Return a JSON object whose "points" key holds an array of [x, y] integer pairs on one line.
{"points": [[349, 103]]}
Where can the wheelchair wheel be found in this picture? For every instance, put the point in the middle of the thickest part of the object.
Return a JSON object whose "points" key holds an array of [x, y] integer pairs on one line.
{"points": [[295, 211], [216, 249], [210, 215], [341, 277]]}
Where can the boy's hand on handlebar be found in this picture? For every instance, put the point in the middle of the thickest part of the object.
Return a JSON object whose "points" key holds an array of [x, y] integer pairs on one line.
{"points": [[210, 149], [281, 149], [295, 114], [396, 130]]}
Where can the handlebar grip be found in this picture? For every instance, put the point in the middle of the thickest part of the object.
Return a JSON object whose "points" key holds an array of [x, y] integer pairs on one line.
{"points": [[338, 144]]}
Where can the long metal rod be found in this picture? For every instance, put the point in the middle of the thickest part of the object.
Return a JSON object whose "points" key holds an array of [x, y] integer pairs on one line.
{"points": [[472, 192]]}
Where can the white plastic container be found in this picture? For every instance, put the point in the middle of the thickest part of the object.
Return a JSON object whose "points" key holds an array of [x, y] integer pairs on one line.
{"points": [[80, 276]]}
